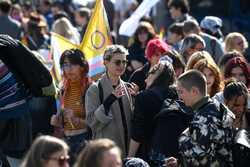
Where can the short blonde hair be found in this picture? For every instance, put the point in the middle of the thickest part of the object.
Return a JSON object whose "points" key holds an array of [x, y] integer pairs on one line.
{"points": [[229, 41]]}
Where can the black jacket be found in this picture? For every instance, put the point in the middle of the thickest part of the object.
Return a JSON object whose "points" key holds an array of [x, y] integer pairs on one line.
{"points": [[169, 123], [147, 104], [139, 76]]}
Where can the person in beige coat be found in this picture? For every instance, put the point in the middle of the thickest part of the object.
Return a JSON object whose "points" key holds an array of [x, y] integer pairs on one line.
{"points": [[108, 101]]}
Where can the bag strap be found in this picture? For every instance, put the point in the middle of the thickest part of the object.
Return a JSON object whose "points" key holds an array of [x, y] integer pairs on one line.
{"points": [[100, 92], [213, 45]]}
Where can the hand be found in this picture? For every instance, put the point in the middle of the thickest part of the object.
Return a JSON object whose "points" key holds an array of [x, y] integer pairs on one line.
{"points": [[68, 114], [119, 91], [171, 162], [54, 120], [132, 88]]}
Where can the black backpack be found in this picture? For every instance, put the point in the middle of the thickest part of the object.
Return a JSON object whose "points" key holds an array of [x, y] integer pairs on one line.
{"points": [[169, 123], [241, 148]]}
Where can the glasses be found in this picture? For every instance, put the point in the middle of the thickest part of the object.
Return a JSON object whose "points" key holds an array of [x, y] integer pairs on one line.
{"points": [[197, 48], [119, 62], [67, 66], [61, 160]]}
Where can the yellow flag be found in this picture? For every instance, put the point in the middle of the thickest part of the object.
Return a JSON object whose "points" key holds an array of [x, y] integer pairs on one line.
{"points": [[96, 38], [58, 45]]}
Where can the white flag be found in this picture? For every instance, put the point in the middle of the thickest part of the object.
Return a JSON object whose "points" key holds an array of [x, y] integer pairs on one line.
{"points": [[129, 26]]}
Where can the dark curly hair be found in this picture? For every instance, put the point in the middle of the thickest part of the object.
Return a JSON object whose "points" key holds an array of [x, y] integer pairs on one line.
{"points": [[145, 26], [166, 77], [75, 56]]}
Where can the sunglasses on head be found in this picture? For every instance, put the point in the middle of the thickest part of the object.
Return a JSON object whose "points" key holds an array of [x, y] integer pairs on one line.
{"points": [[119, 62], [61, 160]]}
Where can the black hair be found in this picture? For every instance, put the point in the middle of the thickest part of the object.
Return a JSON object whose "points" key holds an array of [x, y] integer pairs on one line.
{"points": [[235, 89], [182, 4], [57, 4], [75, 56], [60, 15], [176, 28], [5, 6], [177, 59], [166, 77], [84, 12]]}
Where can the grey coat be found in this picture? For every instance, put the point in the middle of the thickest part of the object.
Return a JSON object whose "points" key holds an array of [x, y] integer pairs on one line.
{"points": [[108, 126]]}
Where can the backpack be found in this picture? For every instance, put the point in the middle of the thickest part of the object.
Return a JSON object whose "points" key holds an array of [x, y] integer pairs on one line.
{"points": [[241, 148], [240, 143], [165, 134]]}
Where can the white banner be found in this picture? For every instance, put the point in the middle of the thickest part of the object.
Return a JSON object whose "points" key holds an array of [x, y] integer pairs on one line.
{"points": [[129, 26]]}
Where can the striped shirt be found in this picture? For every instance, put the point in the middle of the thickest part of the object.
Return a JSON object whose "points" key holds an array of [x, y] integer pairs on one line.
{"points": [[13, 95], [72, 100]]}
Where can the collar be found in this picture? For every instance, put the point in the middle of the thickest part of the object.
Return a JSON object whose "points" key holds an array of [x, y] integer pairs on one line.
{"points": [[200, 103], [182, 18]]}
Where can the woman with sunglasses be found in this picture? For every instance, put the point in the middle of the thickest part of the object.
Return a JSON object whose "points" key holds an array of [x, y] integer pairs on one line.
{"points": [[71, 112], [191, 44], [108, 101], [47, 151], [148, 104]]}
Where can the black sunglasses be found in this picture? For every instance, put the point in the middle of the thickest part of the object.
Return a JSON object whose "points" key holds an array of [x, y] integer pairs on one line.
{"points": [[119, 62]]}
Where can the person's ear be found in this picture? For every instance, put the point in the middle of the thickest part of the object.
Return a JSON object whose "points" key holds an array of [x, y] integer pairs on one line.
{"points": [[105, 62], [195, 91]]}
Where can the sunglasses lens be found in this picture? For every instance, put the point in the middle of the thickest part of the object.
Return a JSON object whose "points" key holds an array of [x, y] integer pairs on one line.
{"points": [[119, 62], [66, 66]]}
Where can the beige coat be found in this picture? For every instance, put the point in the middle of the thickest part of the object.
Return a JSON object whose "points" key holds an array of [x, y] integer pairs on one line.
{"points": [[107, 126]]}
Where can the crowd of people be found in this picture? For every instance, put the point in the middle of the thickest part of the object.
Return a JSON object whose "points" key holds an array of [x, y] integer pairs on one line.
{"points": [[176, 99]]}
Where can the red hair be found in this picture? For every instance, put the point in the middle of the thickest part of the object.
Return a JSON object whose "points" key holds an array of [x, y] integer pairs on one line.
{"points": [[155, 46], [237, 62]]}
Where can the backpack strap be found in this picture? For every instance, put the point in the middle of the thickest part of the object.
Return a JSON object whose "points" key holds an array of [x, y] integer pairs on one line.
{"points": [[213, 45], [100, 92]]}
